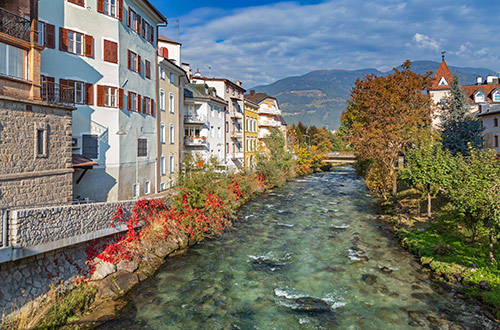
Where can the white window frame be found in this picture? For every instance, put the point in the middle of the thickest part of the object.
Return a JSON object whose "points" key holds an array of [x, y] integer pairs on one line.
{"points": [[162, 73], [41, 33], [171, 164], [171, 77], [110, 98], [147, 187], [135, 190], [24, 55], [162, 100], [163, 165], [109, 6], [73, 42], [162, 133], [171, 101], [496, 96], [171, 133], [163, 186], [479, 97]]}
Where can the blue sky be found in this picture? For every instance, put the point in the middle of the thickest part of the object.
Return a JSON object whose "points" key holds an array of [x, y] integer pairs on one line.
{"points": [[259, 42]]}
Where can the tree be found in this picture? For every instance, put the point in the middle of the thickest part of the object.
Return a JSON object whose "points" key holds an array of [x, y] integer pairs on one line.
{"points": [[429, 166], [274, 160], [459, 125], [385, 115], [323, 139]]}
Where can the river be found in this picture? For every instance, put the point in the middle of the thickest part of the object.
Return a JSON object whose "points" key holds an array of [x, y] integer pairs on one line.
{"points": [[308, 255]]}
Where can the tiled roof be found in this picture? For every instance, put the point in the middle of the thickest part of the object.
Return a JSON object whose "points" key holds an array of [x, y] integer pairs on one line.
{"points": [[442, 72], [469, 90], [282, 120], [80, 161], [163, 38], [258, 97]]}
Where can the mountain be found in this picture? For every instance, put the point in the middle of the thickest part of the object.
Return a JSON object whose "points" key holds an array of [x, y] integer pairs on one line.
{"points": [[319, 97]]}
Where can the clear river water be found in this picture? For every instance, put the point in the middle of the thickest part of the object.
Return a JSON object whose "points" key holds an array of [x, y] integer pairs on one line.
{"points": [[308, 255]]}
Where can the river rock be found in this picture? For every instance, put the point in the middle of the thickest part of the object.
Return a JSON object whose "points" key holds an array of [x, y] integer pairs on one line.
{"points": [[334, 269], [124, 281], [385, 270], [127, 265], [417, 318], [102, 270], [312, 305], [369, 278], [485, 286]]}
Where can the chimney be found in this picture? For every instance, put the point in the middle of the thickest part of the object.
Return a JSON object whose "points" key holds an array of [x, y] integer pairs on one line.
{"points": [[186, 67], [479, 80], [252, 92], [489, 79], [238, 83], [197, 73]]}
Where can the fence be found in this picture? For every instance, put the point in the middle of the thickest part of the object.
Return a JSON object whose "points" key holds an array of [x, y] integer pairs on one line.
{"points": [[58, 94], [14, 25]]}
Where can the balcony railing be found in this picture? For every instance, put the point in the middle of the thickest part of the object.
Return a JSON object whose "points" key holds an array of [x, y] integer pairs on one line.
{"points": [[15, 26], [269, 110], [269, 122], [236, 114], [195, 141], [58, 94], [195, 119]]}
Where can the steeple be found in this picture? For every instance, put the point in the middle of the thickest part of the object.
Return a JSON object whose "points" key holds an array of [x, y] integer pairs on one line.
{"points": [[443, 77]]}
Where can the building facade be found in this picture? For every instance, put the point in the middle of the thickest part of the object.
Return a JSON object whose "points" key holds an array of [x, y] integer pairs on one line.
{"points": [[269, 112], [251, 133], [107, 48]]}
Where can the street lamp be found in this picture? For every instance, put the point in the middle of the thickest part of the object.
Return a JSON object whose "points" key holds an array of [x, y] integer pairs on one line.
{"points": [[124, 132]]}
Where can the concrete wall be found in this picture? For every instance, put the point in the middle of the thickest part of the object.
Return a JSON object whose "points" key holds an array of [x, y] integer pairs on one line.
{"points": [[25, 176]]}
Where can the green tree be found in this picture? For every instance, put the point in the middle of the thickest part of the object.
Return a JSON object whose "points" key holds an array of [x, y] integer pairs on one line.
{"points": [[428, 167], [274, 162], [323, 139], [459, 125], [384, 116]]}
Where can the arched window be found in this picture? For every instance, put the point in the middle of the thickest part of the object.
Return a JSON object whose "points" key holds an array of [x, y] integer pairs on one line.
{"points": [[171, 103], [162, 132], [496, 96], [172, 134], [172, 164], [162, 99]]}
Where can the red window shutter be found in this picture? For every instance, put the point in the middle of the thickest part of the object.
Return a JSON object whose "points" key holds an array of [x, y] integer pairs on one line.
{"points": [[90, 93], [139, 62], [120, 10], [63, 39], [164, 52], [114, 52], [106, 51], [50, 35], [100, 6], [100, 96], [143, 28], [151, 35], [89, 46], [152, 107], [138, 108], [129, 62], [120, 98], [128, 16], [128, 101]]}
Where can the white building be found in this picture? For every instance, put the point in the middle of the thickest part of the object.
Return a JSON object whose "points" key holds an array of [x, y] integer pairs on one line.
{"points": [[204, 123], [233, 94], [105, 50]]}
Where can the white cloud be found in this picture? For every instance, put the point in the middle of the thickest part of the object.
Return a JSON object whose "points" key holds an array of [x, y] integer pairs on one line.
{"points": [[424, 41]]}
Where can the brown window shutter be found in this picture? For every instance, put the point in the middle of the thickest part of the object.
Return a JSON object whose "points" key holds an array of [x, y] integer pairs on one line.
{"points": [[120, 98], [138, 108], [120, 10], [63, 82], [152, 107], [129, 63], [128, 16], [151, 35], [114, 52], [81, 3], [100, 96], [147, 67], [106, 51], [143, 28], [100, 6], [90, 93], [139, 62], [63, 39], [128, 101], [139, 18], [144, 108], [89, 46], [50, 35]]}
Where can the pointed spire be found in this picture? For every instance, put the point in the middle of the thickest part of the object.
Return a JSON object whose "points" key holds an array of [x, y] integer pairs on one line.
{"points": [[442, 55], [443, 77]]}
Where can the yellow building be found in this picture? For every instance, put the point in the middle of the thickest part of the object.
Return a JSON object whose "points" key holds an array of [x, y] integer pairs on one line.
{"points": [[251, 136]]}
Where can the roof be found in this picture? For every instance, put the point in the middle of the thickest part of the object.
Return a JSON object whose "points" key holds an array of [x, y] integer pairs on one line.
{"points": [[227, 81], [258, 97], [157, 12], [470, 90], [192, 91], [442, 72], [80, 161], [282, 120], [163, 38]]}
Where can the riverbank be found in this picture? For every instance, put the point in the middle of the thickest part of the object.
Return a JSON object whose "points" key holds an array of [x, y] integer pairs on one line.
{"points": [[456, 259]]}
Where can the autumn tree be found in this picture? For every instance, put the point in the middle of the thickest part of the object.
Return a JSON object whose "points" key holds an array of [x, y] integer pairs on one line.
{"points": [[459, 125], [385, 115]]}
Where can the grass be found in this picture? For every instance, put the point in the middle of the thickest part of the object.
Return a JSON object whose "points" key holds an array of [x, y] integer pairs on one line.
{"points": [[445, 247]]}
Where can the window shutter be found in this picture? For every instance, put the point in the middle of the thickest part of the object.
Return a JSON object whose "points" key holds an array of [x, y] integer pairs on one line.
{"points": [[164, 52], [90, 93], [138, 23], [120, 10], [120, 98], [151, 35], [114, 52], [147, 66], [89, 46], [63, 39], [128, 16], [128, 100], [139, 64], [143, 28], [152, 107], [64, 82], [129, 64], [100, 96], [81, 3], [100, 6], [138, 109], [107, 56], [50, 35], [144, 108]]}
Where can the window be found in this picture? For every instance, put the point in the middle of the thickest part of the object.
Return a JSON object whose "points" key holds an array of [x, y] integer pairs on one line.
{"points": [[109, 96], [147, 31], [133, 61], [78, 2], [134, 20], [40, 139], [113, 8], [162, 99], [219, 132], [212, 131], [172, 164], [79, 91], [495, 122], [163, 186], [479, 97], [110, 51], [41, 33], [146, 106], [162, 73], [147, 187], [163, 165], [90, 146], [162, 132], [171, 77], [12, 61], [171, 134], [171, 103], [496, 97], [133, 101], [147, 68], [142, 147], [495, 138], [135, 188], [76, 42], [110, 7]]}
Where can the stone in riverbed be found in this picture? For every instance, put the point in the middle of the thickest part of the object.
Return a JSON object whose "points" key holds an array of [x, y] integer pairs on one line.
{"points": [[102, 270], [312, 305], [369, 278], [124, 281], [485, 286], [334, 269]]}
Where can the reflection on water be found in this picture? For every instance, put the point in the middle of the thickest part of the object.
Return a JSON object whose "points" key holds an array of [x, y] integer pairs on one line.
{"points": [[306, 256]]}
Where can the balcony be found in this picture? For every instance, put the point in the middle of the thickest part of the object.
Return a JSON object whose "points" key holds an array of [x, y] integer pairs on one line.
{"points": [[236, 114], [195, 141], [269, 122], [237, 155], [195, 119], [269, 110], [236, 134], [58, 94], [15, 26]]}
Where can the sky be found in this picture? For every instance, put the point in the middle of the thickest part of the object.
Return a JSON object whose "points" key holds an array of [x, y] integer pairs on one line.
{"points": [[259, 42]]}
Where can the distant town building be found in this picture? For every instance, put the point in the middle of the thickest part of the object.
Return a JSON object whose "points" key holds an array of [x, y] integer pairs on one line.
{"points": [[269, 112], [251, 133], [106, 51]]}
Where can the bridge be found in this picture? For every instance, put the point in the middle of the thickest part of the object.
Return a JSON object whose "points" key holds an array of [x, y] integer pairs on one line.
{"points": [[340, 157]]}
